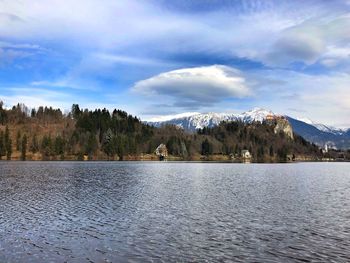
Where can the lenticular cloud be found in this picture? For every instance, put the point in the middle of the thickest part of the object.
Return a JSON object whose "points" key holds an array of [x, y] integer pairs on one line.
{"points": [[202, 84]]}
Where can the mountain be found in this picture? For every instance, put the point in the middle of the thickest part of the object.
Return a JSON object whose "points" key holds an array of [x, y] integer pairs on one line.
{"points": [[319, 134], [195, 121], [322, 127]]}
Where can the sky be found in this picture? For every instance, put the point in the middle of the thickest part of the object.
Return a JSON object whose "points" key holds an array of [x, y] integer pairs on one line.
{"points": [[159, 57]]}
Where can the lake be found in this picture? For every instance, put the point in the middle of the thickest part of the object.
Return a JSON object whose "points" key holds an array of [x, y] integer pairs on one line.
{"points": [[174, 211]]}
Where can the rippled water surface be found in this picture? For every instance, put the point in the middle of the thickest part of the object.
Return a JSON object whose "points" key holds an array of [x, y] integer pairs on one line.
{"points": [[149, 211]]}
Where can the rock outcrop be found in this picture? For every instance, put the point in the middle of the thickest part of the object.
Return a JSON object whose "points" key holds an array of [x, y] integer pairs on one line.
{"points": [[162, 151], [283, 125]]}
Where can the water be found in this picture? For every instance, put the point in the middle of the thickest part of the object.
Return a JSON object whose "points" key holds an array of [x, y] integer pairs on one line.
{"points": [[154, 212]]}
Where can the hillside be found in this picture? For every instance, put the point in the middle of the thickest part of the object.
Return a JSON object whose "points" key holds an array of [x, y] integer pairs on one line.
{"points": [[48, 134], [321, 134]]}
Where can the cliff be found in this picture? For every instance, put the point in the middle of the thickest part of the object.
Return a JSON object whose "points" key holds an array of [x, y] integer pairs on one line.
{"points": [[283, 125]]}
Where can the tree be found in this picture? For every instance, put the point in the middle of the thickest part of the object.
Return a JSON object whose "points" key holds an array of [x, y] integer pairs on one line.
{"points": [[59, 145], [76, 112], [119, 146], [46, 146], [108, 143], [2, 145], [271, 151], [8, 143], [260, 153], [9, 149], [34, 146], [207, 148], [33, 113], [91, 145], [18, 140], [282, 153], [3, 115], [24, 147]]}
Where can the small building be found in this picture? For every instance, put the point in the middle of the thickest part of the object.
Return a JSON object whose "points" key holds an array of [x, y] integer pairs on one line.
{"points": [[325, 149], [270, 117], [161, 151], [246, 154], [290, 157]]}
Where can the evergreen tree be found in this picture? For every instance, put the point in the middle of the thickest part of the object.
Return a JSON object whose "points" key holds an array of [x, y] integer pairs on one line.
{"points": [[59, 145], [33, 113], [271, 151], [207, 148], [282, 153], [260, 153], [3, 115], [9, 149], [7, 135], [34, 146], [2, 145], [108, 143], [24, 147], [46, 146], [119, 146], [76, 112], [18, 140], [91, 145], [8, 143]]}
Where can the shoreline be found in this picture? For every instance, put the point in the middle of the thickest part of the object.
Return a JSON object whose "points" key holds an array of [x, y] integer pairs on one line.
{"points": [[174, 161]]}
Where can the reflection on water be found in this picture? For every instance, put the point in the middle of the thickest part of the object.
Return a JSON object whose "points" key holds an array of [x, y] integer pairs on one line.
{"points": [[147, 211]]}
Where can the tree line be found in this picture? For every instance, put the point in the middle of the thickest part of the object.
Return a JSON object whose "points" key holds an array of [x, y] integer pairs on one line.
{"points": [[48, 134]]}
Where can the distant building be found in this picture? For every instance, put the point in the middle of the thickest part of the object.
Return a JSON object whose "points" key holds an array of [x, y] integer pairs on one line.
{"points": [[270, 117], [246, 154], [162, 151]]}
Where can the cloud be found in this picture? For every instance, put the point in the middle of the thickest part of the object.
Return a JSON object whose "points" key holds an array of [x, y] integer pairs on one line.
{"points": [[33, 97], [314, 40], [108, 47], [145, 32], [9, 52], [120, 59], [193, 87], [323, 98], [336, 56]]}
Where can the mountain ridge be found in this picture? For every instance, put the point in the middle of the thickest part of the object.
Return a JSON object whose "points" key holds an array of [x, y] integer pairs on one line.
{"points": [[317, 133]]}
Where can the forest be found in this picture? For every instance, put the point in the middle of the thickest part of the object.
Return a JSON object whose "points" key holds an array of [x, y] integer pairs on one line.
{"points": [[45, 133]]}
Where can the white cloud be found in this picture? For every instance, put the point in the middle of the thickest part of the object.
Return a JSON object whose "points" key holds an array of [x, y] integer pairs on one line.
{"points": [[119, 59], [335, 56], [323, 98], [319, 39], [34, 97], [273, 33], [196, 86]]}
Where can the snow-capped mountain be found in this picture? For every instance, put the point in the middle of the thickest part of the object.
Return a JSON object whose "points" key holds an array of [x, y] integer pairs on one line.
{"points": [[194, 121], [319, 134], [322, 127]]}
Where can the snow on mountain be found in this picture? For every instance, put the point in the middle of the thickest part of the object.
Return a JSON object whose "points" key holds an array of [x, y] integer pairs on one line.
{"points": [[194, 121], [322, 127], [172, 117], [314, 132], [256, 114]]}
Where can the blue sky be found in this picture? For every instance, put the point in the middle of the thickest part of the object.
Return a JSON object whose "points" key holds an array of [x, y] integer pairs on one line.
{"points": [[162, 57]]}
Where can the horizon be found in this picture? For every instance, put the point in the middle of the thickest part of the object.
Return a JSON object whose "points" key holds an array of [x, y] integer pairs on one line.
{"points": [[156, 59]]}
